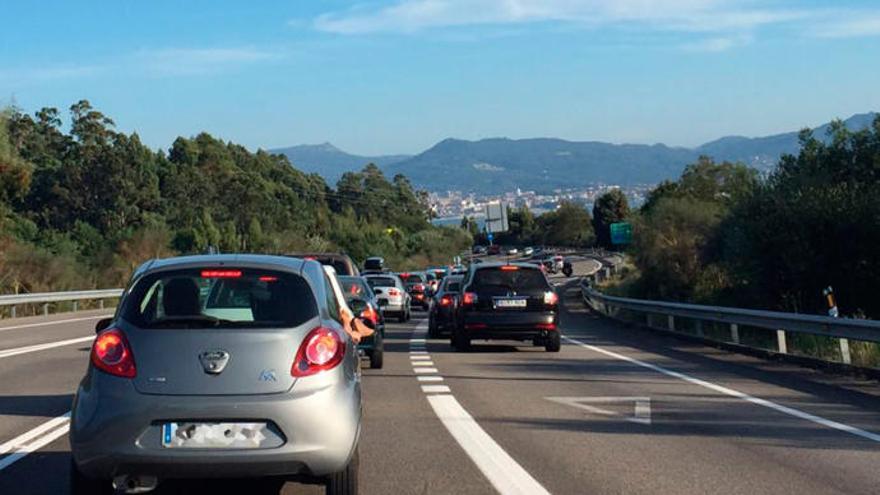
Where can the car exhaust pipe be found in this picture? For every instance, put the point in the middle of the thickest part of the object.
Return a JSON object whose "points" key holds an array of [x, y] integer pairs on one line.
{"points": [[135, 484]]}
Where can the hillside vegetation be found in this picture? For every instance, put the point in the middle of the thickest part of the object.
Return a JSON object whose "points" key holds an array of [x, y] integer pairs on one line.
{"points": [[81, 208]]}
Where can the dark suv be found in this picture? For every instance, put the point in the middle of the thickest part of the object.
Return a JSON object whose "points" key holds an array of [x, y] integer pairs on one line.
{"points": [[507, 302], [417, 285]]}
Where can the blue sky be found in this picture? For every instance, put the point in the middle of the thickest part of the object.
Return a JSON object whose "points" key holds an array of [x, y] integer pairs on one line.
{"points": [[396, 76]]}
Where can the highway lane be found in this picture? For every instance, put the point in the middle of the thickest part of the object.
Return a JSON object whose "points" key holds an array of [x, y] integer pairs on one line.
{"points": [[698, 440]]}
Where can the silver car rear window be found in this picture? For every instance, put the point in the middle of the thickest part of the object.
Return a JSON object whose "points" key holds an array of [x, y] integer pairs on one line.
{"points": [[222, 298]]}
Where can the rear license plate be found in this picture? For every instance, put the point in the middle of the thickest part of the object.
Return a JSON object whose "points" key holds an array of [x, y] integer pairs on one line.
{"points": [[510, 303], [213, 435]]}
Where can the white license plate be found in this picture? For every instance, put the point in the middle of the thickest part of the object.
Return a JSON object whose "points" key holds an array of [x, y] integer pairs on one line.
{"points": [[510, 303], [213, 435]]}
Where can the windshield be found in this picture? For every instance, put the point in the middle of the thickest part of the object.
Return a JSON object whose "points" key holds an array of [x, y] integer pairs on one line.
{"points": [[511, 277], [227, 297], [354, 287]]}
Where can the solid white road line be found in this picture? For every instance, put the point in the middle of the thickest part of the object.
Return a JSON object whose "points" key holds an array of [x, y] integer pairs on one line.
{"points": [[42, 347], [505, 474], [41, 442], [734, 393], [56, 322], [39, 430], [19, 446]]}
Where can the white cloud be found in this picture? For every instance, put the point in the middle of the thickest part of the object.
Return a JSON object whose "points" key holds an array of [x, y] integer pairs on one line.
{"points": [[718, 43], [406, 16], [853, 25]]}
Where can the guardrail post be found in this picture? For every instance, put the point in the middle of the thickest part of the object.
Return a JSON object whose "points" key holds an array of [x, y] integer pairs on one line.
{"points": [[75, 306], [780, 341], [100, 303], [734, 333], [12, 311], [670, 323], [46, 309], [845, 355], [698, 327]]}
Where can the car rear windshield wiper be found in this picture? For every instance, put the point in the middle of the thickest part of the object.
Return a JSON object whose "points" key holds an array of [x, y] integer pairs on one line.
{"points": [[201, 321]]}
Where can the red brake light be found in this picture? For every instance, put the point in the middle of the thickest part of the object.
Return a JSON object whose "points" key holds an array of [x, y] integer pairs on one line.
{"points": [[267, 278], [546, 326], [370, 314], [550, 298], [112, 354], [221, 273], [404, 275], [469, 298], [509, 268], [321, 350], [446, 300]]}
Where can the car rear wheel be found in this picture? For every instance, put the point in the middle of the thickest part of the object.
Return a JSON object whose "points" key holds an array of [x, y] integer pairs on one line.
{"points": [[377, 355], [345, 482], [553, 342], [82, 485], [460, 341], [433, 330]]}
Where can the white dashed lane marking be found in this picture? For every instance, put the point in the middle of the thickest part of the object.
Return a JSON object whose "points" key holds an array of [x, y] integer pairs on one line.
{"points": [[505, 474]]}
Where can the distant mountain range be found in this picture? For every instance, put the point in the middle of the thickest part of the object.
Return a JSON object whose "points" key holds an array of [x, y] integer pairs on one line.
{"points": [[330, 161], [500, 164]]}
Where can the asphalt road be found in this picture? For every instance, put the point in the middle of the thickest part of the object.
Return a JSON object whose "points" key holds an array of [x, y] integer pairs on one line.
{"points": [[619, 410]]}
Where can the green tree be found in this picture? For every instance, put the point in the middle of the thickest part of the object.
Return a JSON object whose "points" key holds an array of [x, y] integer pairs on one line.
{"points": [[611, 207]]}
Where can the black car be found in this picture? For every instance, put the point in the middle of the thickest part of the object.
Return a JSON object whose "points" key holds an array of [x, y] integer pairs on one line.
{"points": [[364, 303], [441, 318], [416, 284], [374, 264], [512, 301]]}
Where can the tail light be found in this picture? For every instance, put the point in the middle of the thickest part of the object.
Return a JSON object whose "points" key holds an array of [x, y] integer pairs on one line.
{"points": [[509, 268], [446, 301], [419, 287], [112, 354], [469, 298], [550, 298], [370, 314], [546, 326], [321, 350], [393, 292]]}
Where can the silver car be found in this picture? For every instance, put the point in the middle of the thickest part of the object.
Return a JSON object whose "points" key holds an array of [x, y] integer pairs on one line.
{"points": [[220, 366], [392, 295]]}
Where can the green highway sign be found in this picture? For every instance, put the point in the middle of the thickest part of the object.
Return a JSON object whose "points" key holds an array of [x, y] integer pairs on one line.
{"points": [[621, 233]]}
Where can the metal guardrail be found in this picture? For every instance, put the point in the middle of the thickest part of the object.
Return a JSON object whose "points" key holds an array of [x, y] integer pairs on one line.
{"points": [[844, 329], [45, 298]]}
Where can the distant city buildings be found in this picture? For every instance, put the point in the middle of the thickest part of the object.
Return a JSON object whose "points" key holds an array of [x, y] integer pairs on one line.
{"points": [[457, 204]]}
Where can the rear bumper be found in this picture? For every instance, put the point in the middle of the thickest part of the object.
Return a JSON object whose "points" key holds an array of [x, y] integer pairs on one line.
{"points": [[118, 432], [509, 326]]}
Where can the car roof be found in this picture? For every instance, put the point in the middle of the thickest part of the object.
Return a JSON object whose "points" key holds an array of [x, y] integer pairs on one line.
{"points": [[219, 260]]}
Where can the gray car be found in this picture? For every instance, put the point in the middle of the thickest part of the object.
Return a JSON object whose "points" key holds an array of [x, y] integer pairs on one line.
{"points": [[219, 366]]}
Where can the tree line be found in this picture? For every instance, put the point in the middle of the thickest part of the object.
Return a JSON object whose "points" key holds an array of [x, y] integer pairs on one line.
{"points": [[726, 235], [82, 207]]}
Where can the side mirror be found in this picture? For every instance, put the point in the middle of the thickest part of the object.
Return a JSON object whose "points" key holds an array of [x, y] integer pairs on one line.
{"points": [[102, 324]]}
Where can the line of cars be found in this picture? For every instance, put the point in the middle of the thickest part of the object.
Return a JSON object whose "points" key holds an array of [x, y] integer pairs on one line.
{"points": [[249, 365]]}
